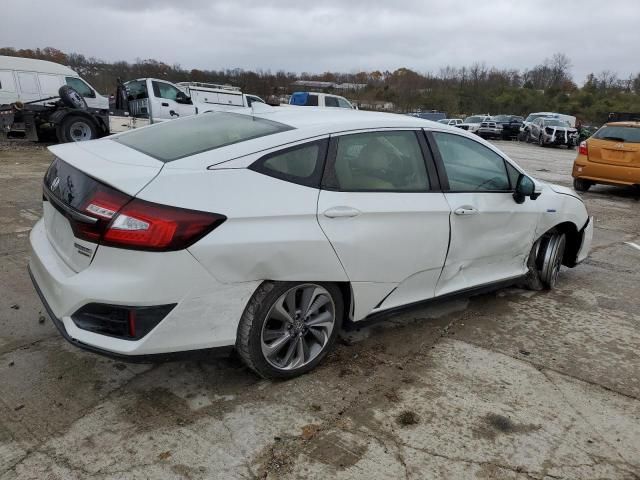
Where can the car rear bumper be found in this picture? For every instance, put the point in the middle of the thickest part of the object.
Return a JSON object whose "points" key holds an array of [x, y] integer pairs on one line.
{"points": [[206, 315], [605, 173]]}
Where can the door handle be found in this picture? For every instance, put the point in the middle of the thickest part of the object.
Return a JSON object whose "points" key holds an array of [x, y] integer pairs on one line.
{"points": [[165, 104], [466, 210], [337, 212]]}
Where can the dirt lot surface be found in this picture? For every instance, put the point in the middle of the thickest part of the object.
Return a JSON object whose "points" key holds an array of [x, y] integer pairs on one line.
{"points": [[513, 384]]}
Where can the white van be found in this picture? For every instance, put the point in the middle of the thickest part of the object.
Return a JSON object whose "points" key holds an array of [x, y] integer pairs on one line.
{"points": [[28, 80]]}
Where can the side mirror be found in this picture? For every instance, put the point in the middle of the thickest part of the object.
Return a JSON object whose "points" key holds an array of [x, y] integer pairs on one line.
{"points": [[524, 188], [181, 97]]}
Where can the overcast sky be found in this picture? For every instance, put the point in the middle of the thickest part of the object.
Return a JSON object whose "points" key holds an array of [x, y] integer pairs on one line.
{"points": [[334, 35]]}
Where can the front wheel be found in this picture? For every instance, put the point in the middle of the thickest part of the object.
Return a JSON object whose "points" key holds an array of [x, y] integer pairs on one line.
{"points": [[287, 328], [545, 260]]}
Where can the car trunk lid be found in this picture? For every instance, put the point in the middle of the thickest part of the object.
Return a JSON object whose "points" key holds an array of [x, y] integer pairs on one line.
{"points": [[611, 152], [76, 174], [616, 144]]}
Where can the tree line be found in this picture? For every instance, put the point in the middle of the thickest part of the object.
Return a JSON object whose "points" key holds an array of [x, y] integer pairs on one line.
{"points": [[458, 91]]}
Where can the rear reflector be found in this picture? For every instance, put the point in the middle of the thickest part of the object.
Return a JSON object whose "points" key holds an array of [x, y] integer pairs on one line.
{"points": [[127, 323], [583, 149]]}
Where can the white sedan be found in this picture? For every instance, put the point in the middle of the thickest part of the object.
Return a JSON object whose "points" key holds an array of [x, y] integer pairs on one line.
{"points": [[267, 229]]}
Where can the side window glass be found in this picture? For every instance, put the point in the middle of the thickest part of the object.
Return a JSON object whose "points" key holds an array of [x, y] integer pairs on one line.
{"points": [[80, 87], [470, 166], [28, 83], [331, 102], [513, 175], [312, 101], [343, 103], [301, 164], [379, 161], [164, 90]]}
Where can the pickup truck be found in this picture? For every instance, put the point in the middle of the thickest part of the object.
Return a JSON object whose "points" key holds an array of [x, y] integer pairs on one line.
{"points": [[138, 103]]}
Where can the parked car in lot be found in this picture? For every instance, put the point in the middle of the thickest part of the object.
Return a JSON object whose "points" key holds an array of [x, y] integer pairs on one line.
{"points": [[454, 122], [570, 119], [511, 125], [473, 123], [268, 231], [309, 99], [609, 156], [490, 129], [552, 132]]}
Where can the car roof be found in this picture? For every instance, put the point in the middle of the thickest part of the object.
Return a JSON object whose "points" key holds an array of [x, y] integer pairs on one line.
{"points": [[307, 123], [34, 65], [624, 124], [323, 120]]}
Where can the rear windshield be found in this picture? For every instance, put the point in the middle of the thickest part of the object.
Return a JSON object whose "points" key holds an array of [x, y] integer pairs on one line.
{"points": [[619, 134], [555, 123], [181, 138]]}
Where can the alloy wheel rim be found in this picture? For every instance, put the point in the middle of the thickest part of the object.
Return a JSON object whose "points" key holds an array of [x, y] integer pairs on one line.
{"points": [[298, 327]]}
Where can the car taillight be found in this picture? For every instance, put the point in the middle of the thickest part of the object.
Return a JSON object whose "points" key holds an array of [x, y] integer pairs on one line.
{"points": [[115, 219], [149, 226], [583, 149]]}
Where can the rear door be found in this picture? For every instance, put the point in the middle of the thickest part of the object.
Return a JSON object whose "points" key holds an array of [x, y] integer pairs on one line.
{"points": [[491, 235], [29, 88], [383, 212], [8, 92]]}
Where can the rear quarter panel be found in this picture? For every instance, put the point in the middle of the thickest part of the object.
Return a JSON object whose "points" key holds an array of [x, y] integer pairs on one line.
{"points": [[271, 231]]}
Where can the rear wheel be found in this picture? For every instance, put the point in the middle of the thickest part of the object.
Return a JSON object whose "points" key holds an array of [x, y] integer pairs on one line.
{"points": [[581, 185], [75, 128], [287, 328]]}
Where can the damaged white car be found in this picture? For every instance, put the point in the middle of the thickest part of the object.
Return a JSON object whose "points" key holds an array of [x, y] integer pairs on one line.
{"points": [[267, 229], [552, 132]]}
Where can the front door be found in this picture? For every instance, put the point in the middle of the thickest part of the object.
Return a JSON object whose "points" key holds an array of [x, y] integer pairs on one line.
{"points": [[378, 209], [165, 105], [491, 234]]}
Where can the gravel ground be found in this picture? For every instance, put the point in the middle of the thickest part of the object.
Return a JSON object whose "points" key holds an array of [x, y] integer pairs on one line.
{"points": [[512, 384]]}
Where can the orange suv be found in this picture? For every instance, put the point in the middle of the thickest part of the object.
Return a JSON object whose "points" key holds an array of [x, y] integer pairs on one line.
{"points": [[610, 156]]}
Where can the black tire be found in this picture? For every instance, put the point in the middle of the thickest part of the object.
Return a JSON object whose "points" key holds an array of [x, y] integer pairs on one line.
{"points": [[581, 185], [545, 260], [71, 98], [541, 141], [76, 128], [249, 340]]}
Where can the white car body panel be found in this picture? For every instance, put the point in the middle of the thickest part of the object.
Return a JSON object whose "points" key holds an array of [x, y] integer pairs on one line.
{"points": [[271, 236], [489, 245], [209, 311], [400, 247], [111, 162], [388, 226]]}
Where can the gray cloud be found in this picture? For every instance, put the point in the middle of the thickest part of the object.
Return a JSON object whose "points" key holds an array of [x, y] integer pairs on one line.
{"points": [[333, 35]]}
